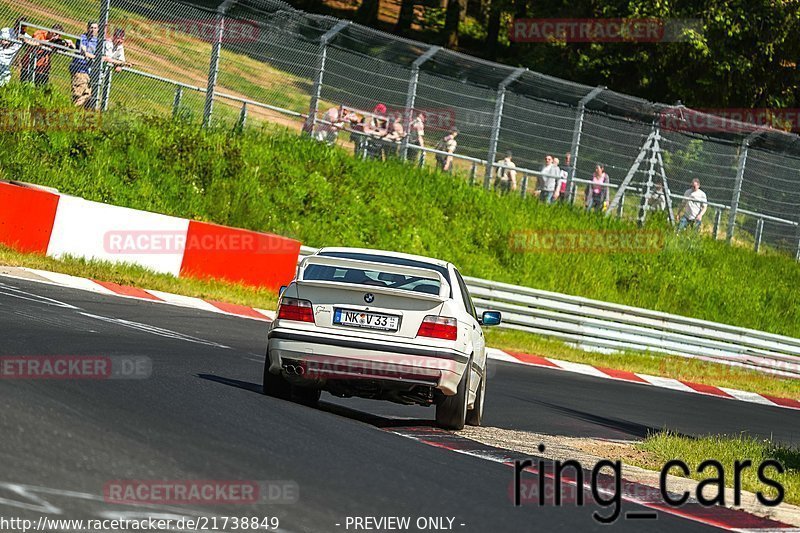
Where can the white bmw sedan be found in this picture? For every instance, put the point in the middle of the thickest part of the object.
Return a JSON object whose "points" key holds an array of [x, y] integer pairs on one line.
{"points": [[381, 325]]}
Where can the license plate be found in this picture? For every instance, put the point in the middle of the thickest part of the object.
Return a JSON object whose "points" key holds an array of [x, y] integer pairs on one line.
{"points": [[365, 319]]}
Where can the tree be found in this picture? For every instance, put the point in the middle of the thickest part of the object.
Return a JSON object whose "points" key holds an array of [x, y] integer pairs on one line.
{"points": [[367, 12], [454, 13], [405, 17]]}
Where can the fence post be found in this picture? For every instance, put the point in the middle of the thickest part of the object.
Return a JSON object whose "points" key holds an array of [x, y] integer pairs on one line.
{"points": [[316, 91], [106, 88], [242, 117], [577, 131], [96, 77], [523, 187], [176, 102], [759, 233], [737, 187], [473, 171], [620, 205], [213, 68], [496, 120], [717, 222], [411, 97]]}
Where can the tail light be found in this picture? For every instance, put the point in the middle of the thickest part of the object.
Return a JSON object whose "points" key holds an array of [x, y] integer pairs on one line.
{"points": [[438, 327], [294, 309]]}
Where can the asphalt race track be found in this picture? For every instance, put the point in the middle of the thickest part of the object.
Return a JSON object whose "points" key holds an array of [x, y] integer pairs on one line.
{"points": [[201, 416]]}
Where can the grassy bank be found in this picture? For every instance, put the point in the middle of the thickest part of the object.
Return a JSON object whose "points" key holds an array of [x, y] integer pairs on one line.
{"points": [[275, 181], [663, 447]]}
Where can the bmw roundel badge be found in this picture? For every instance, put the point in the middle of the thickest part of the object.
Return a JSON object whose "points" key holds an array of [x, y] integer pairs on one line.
{"points": [[369, 297]]}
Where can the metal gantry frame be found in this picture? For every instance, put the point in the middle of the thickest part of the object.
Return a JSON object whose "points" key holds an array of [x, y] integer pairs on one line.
{"points": [[411, 96], [316, 91], [737, 188], [498, 116], [576, 137]]}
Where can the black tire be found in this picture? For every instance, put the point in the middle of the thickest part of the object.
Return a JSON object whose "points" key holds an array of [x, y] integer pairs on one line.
{"points": [[475, 415], [306, 395], [451, 411], [274, 385]]}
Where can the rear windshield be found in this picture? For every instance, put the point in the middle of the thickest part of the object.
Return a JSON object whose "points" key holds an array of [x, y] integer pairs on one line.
{"points": [[375, 276]]}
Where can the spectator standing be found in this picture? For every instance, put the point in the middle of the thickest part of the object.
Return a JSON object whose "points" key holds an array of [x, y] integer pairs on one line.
{"points": [[81, 67], [395, 134], [694, 207], [114, 50], [9, 46], [333, 120], [547, 182], [597, 191], [448, 144], [506, 175], [35, 64], [416, 136], [561, 186], [377, 126]]}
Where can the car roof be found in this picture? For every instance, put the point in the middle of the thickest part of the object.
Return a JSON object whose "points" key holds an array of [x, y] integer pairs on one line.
{"points": [[437, 262]]}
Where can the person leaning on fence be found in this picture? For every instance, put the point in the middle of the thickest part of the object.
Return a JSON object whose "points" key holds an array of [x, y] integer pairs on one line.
{"points": [[81, 67], [9, 46], [332, 121], [114, 50], [597, 190], [35, 64], [377, 126], [448, 145], [394, 135], [506, 180], [693, 208]]}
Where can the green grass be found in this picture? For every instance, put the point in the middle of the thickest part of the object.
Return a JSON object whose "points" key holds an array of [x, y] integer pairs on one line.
{"points": [[273, 180], [669, 366], [136, 276], [665, 446]]}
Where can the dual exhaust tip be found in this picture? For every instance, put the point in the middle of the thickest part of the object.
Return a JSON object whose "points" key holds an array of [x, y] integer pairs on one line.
{"points": [[296, 370]]}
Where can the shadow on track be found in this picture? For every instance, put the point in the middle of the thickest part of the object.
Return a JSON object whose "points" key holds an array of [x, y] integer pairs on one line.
{"points": [[339, 410]]}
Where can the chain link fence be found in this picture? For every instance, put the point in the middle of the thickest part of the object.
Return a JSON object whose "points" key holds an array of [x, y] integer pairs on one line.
{"points": [[261, 61]]}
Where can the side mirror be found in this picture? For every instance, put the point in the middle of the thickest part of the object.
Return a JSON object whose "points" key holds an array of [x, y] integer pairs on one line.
{"points": [[280, 292], [491, 318]]}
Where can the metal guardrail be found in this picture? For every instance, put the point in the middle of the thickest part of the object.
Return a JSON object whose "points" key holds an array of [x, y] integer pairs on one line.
{"points": [[602, 326]]}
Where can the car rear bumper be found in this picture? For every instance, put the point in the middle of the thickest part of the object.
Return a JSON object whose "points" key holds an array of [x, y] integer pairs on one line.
{"points": [[343, 357]]}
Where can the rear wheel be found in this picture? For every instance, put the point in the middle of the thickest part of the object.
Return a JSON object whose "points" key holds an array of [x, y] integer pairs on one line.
{"points": [[475, 415], [274, 385], [451, 411]]}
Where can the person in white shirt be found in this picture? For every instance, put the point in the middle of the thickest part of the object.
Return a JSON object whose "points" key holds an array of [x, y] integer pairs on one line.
{"points": [[9, 46], [693, 208], [506, 175], [114, 50], [547, 181]]}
